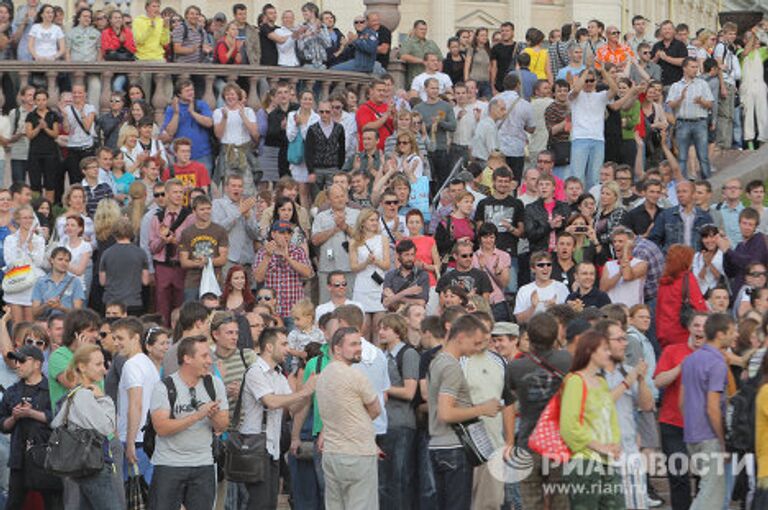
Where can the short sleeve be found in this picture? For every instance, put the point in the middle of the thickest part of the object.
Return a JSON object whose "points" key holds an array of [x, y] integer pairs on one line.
{"points": [[451, 381], [718, 378], [37, 291], [203, 108], [364, 388], [250, 114], [217, 115], [57, 363], [411, 364], [159, 398], [257, 383], [131, 376], [77, 290]]}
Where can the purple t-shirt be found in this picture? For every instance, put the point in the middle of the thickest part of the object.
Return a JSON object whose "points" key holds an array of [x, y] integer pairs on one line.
{"points": [[703, 371]]}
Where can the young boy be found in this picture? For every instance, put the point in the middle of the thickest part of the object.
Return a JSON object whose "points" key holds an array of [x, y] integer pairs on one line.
{"points": [[304, 331]]}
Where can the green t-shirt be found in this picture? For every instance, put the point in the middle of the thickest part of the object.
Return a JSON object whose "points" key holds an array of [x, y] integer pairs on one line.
{"points": [[58, 362], [629, 121], [311, 368]]}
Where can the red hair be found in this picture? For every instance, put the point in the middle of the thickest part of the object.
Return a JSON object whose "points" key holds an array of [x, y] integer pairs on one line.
{"points": [[248, 300], [679, 260]]}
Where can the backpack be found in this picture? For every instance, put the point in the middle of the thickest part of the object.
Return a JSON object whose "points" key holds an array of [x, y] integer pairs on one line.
{"points": [[150, 434], [740, 429], [416, 400]]}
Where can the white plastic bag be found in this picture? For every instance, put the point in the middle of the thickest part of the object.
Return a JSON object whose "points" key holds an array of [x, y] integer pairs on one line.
{"points": [[208, 282]]}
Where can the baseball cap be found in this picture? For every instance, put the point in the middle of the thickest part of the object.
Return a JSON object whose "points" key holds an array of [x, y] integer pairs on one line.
{"points": [[282, 226], [26, 351], [506, 329], [220, 16], [465, 176]]}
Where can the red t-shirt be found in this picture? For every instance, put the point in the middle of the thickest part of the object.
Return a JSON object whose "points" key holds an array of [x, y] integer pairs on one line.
{"points": [[191, 175], [672, 356], [371, 112]]}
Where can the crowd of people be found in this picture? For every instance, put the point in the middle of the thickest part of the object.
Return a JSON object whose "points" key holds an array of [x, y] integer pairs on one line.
{"points": [[519, 250]]}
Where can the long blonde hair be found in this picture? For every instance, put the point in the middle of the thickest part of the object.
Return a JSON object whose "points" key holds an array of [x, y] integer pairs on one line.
{"points": [[107, 213], [127, 131], [138, 206], [82, 355], [358, 233]]}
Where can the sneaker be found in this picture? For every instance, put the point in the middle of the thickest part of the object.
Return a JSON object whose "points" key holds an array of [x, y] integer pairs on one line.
{"points": [[654, 500]]}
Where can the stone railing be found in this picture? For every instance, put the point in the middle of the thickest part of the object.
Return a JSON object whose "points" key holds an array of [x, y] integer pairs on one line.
{"points": [[161, 73]]}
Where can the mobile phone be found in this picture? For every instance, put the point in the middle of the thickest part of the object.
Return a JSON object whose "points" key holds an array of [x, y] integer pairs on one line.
{"points": [[581, 229]]}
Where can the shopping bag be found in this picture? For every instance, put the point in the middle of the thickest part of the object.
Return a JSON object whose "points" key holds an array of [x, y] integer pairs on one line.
{"points": [[136, 491], [208, 282]]}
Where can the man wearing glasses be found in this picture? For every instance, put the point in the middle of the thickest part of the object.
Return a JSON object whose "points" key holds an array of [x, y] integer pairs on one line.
{"points": [[325, 147], [614, 52], [365, 41], [645, 65], [541, 293], [337, 289], [471, 279]]}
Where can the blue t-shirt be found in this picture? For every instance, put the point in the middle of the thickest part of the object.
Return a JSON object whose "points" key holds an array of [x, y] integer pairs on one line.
{"points": [[562, 74], [189, 128], [67, 290]]}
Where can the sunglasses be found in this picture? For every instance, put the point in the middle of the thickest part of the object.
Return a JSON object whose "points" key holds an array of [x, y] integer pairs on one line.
{"points": [[757, 274], [339, 285], [263, 298], [391, 202], [646, 52], [403, 142], [544, 264], [161, 194], [115, 100], [323, 111], [591, 80], [465, 256], [36, 343], [359, 22], [615, 32], [337, 107]]}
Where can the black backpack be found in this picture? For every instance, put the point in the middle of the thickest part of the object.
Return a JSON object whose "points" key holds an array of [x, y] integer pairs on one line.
{"points": [[416, 400], [150, 434], [740, 435]]}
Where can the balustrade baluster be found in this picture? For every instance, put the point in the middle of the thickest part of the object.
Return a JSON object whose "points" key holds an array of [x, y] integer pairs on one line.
{"points": [[53, 89], [160, 99], [254, 101], [23, 79], [208, 95], [106, 90], [326, 90], [2, 96], [79, 78]]}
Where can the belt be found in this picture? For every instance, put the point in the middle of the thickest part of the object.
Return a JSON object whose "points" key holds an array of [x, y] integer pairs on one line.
{"points": [[171, 263], [80, 149], [693, 120]]}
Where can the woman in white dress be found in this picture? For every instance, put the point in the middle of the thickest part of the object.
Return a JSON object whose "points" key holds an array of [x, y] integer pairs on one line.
{"points": [[369, 258], [80, 264], [20, 248], [298, 123]]}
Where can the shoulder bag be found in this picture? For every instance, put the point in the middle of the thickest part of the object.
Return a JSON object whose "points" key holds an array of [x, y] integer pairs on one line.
{"points": [[545, 438], [296, 148], [20, 276], [247, 456], [73, 451], [686, 310]]}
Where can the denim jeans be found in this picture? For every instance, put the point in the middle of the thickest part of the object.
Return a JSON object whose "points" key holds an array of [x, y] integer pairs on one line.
{"points": [[453, 478], [18, 170], [396, 470], [562, 172], [692, 132], [679, 485], [207, 162], [425, 492], [97, 492], [119, 82], [172, 486], [706, 461], [144, 464], [353, 65], [305, 488], [587, 157]]}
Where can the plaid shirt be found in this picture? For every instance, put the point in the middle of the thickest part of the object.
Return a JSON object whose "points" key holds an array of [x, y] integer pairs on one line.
{"points": [[649, 252], [284, 279]]}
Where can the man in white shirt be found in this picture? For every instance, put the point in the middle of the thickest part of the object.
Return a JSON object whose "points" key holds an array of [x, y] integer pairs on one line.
{"points": [[466, 123], [541, 293], [623, 278], [515, 127], [486, 135], [432, 66], [587, 131], [137, 380], [337, 289], [731, 69]]}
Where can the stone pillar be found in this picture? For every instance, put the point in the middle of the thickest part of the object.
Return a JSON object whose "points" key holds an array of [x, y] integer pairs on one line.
{"points": [[520, 14], [387, 9], [443, 23]]}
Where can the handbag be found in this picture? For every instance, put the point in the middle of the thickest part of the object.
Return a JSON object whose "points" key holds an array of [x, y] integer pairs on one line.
{"points": [[35, 475], [562, 152], [136, 491], [474, 438], [247, 457], [686, 310], [20, 277], [121, 54], [296, 150], [208, 282], [73, 451], [545, 438]]}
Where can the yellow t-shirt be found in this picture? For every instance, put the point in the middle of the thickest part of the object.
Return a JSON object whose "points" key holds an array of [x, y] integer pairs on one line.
{"points": [[761, 432], [539, 62]]}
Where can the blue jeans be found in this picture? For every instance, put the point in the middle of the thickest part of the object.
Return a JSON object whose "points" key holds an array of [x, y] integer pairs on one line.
{"points": [[396, 470], [353, 65], [425, 494], [191, 294], [119, 82], [18, 170], [453, 478], [305, 488], [97, 492], [144, 464], [562, 172], [587, 156], [692, 132], [207, 162]]}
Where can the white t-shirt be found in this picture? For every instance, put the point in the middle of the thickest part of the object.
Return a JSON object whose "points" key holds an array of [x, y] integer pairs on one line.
{"points": [[418, 83], [5, 132], [46, 40], [77, 254], [626, 293], [330, 307], [286, 52], [235, 131], [555, 289], [587, 112], [139, 371]]}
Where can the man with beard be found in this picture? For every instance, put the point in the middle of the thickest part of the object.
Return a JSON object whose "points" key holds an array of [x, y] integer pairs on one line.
{"points": [[405, 284]]}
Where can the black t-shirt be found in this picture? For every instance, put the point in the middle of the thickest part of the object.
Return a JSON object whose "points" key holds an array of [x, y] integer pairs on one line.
{"points": [[670, 73], [638, 220], [385, 36], [567, 277], [42, 144], [504, 55], [268, 46], [454, 70], [493, 210], [474, 279]]}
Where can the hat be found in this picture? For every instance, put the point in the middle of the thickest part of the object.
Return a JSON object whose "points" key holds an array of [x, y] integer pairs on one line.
{"points": [[505, 328], [282, 226], [220, 16], [24, 352], [465, 176], [575, 328]]}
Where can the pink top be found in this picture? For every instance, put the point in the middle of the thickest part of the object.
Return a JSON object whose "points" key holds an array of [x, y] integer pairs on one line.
{"points": [[424, 246], [559, 189], [495, 262]]}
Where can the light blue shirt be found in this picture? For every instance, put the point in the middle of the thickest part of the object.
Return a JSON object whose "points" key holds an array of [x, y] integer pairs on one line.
{"points": [[730, 217], [67, 290], [374, 367]]}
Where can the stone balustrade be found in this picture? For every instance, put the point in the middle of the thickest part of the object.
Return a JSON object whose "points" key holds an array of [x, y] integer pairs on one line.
{"points": [[161, 74]]}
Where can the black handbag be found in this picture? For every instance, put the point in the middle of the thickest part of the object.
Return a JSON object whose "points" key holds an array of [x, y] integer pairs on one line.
{"points": [[73, 451], [36, 477], [120, 55], [474, 438], [247, 457], [686, 310], [562, 152]]}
